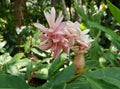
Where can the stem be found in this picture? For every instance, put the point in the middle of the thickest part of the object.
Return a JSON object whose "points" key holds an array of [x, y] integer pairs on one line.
{"points": [[79, 62]]}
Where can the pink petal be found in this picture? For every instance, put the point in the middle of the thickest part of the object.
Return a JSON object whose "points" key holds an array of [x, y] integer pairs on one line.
{"points": [[54, 47], [56, 38], [60, 33], [59, 20], [71, 41], [61, 26], [43, 37], [57, 52], [41, 27], [82, 43], [50, 17], [66, 47], [45, 46]]}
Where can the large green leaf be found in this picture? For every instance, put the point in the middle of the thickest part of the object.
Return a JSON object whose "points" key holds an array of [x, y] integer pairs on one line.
{"points": [[62, 76], [109, 75], [107, 72], [108, 78], [55, 66], [114, 10], [85, 82], [15, 82], [111, 33], [92, 64]]}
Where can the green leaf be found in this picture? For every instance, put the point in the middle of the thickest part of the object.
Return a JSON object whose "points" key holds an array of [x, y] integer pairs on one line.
{"points": [[43, 87], [95, 50], [2, 44], [9, 81], [17, 57], [80, 11], [114, 10], [100, 84], [86, 15], [40, 53], [92, 64], [55, 66], [85, 82], [109, 75], [94, 83], [110, 57], [107, 72], [108, 31], [42, 75], [114, 42], [113, 81], [108, 78], [29, 69], [22, 63], [62, 76], [27, 45], [5, 58], [2, 21]]}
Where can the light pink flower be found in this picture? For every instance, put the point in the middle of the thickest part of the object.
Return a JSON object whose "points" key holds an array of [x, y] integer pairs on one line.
{"points": [[54, 37], [81, 37]]}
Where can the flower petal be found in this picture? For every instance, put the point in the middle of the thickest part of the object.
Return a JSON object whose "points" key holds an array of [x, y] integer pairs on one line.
{"points": [[61, 27], [50, 17], [58, 21], [53, 14], [85, 31], [60, 33], [71, 41], [57, 52], [46, 46], [82, 43], [41, 27], [65, 45], [43, 37], [56, 40]]}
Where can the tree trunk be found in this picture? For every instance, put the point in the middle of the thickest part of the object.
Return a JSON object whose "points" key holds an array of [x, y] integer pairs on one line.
{"points": [[25, 12], [20, 11]]}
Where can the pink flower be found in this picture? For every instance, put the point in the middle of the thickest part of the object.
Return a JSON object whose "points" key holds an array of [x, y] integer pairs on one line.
{"points": [[82, 40], [81, 37], [54, 37]]}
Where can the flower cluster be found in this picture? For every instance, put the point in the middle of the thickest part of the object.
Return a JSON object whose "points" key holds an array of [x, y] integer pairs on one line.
{"points": [[61, 35]]}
